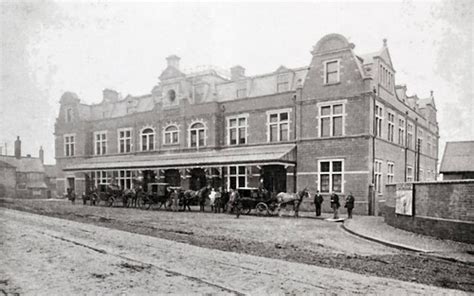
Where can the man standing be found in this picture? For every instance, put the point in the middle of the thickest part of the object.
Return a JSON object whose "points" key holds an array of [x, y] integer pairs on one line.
{"points": [[349, 205], [335, 205], [318, 200]]}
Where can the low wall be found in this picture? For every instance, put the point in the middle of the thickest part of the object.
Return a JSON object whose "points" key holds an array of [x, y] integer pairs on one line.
{"points": [[443, 209]]}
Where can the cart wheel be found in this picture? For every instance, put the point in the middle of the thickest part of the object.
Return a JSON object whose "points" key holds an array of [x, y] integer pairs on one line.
{"points": [[272, 209], [142, 203], [247, 211], [262, 208], [110, 202]]}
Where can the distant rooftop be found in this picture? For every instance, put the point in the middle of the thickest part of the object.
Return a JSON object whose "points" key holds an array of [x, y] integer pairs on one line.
{"points": [[458, 157]]}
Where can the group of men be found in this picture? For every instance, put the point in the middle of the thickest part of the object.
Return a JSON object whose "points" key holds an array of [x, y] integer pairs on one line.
{"points": [[335, 204]]}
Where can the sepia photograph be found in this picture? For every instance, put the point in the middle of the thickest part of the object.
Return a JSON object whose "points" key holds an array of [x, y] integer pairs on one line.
{"points": [[236, 147]]}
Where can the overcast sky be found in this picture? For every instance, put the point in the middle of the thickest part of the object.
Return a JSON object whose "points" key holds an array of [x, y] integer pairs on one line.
{"points": [[52, 47]]}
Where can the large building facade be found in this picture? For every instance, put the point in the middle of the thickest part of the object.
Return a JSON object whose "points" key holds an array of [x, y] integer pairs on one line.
{"points": [[339, 125]]}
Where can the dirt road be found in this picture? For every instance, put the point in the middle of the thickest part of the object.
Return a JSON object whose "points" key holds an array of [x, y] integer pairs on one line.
{"points": [[44, 255]]}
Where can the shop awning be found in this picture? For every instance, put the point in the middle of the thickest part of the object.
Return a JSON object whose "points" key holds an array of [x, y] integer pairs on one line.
{"points": [[256, 155]]}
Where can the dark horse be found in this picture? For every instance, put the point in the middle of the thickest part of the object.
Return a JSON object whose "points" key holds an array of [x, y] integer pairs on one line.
{"points": [[187, 197], [296, 199]]}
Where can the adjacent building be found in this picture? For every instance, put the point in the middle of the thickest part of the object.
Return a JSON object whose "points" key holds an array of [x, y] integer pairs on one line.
{"points": [[458, 161], [23, 176], [340, 124]]}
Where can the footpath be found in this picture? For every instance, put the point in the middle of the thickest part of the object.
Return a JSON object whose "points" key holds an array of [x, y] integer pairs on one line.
{"points": [[375, 229]]}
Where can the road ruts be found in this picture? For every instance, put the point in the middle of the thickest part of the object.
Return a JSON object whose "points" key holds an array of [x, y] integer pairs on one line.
{"points": [[45, 255]]}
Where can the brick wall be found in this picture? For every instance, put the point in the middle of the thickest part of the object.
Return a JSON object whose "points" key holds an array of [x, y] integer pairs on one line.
{"points": [[443, 209]]}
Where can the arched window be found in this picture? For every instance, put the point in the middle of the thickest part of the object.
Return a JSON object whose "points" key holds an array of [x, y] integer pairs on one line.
{"points": [[147, 139], [171, 135], [197, 135]]}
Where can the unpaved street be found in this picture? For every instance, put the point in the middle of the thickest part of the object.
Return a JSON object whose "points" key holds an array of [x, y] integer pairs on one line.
{"points": [[44, 255]]}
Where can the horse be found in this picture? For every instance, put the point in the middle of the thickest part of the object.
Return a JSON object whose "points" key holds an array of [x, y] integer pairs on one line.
{"points": [[188, 196], [296, 199]]}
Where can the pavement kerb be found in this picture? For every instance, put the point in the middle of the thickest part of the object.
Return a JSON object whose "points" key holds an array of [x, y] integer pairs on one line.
{"points": [[384, 242], [404, 247]]}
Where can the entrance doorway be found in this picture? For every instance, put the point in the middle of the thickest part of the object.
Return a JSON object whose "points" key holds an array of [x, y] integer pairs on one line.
{"points": [[198, 179], [71, 184], [173, 177], [274, 178]]}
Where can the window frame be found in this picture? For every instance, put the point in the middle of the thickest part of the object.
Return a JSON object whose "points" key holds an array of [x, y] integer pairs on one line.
{"points": [[401, 131], [410, 176], [191, 130], [278, 123], [330, 174], [331, 117], [379, 121], [119, 139], [165, 132], [378, 176], [390, 126], [410, 137], [102, 142], [147, 135], [69, 116], [237, 175], [237, 128], [325, 67], [390, 172], [70, 144]]}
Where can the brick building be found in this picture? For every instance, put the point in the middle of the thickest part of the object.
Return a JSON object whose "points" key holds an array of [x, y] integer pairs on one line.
{"points": [[340, 124], [458, 161], [29, 177]]}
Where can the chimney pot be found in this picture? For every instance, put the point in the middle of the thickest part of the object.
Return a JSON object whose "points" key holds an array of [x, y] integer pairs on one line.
{"points": [[18, 147], [41, 154], [385, 42]]}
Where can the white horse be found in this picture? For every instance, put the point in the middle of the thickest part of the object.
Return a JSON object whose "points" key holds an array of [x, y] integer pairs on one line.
{"points": [[294, 199]]}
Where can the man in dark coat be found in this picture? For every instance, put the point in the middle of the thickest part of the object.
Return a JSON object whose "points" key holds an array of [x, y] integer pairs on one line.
{"points": [[349, 205], [318, 200], [335, 204]]}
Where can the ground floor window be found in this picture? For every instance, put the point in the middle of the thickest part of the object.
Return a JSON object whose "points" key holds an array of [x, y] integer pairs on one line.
{"points": [[236, 177], [125, 179], [99, 177], [331, 176], [378, 176], [390, 174], [409, 174]]}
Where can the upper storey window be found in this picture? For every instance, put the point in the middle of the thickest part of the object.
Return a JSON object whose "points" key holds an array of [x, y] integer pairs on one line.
{"points": [[69, 145], [197, 135], [390, 126], [147, 139], [378, 121], [171, 135], [278, 122], [125, 140], [283, 83], [410, 135], [401, 131], [68, 114], [237, 130], [172, 95], [331, 72], [331, 120], [100, 143], [386, 78]]}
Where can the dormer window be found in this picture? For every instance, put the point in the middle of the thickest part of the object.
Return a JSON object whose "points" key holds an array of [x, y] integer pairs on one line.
{"points": [[241, 89], [68, 114], [331, 72], [283, 83], [386, 78]]}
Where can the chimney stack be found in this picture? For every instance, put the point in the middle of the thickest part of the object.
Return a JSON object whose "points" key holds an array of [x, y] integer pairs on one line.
{"points": [[41, 154], [110, 95], [173, 61], [237, 72], [18, 147]]}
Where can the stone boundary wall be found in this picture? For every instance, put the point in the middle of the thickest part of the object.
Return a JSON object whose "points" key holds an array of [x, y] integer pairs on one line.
{"points": [[443, 209]]}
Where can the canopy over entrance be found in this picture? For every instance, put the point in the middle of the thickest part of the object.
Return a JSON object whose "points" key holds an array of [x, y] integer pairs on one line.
{"points": [[256, 155]]}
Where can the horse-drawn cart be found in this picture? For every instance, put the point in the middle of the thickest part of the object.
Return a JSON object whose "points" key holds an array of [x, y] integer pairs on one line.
{"points": [[157, 193], [260, 200]]}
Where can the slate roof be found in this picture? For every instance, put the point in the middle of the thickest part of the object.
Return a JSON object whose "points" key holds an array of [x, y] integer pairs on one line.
{"points": [[458, 157], [4, 164], [24, 164]]}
